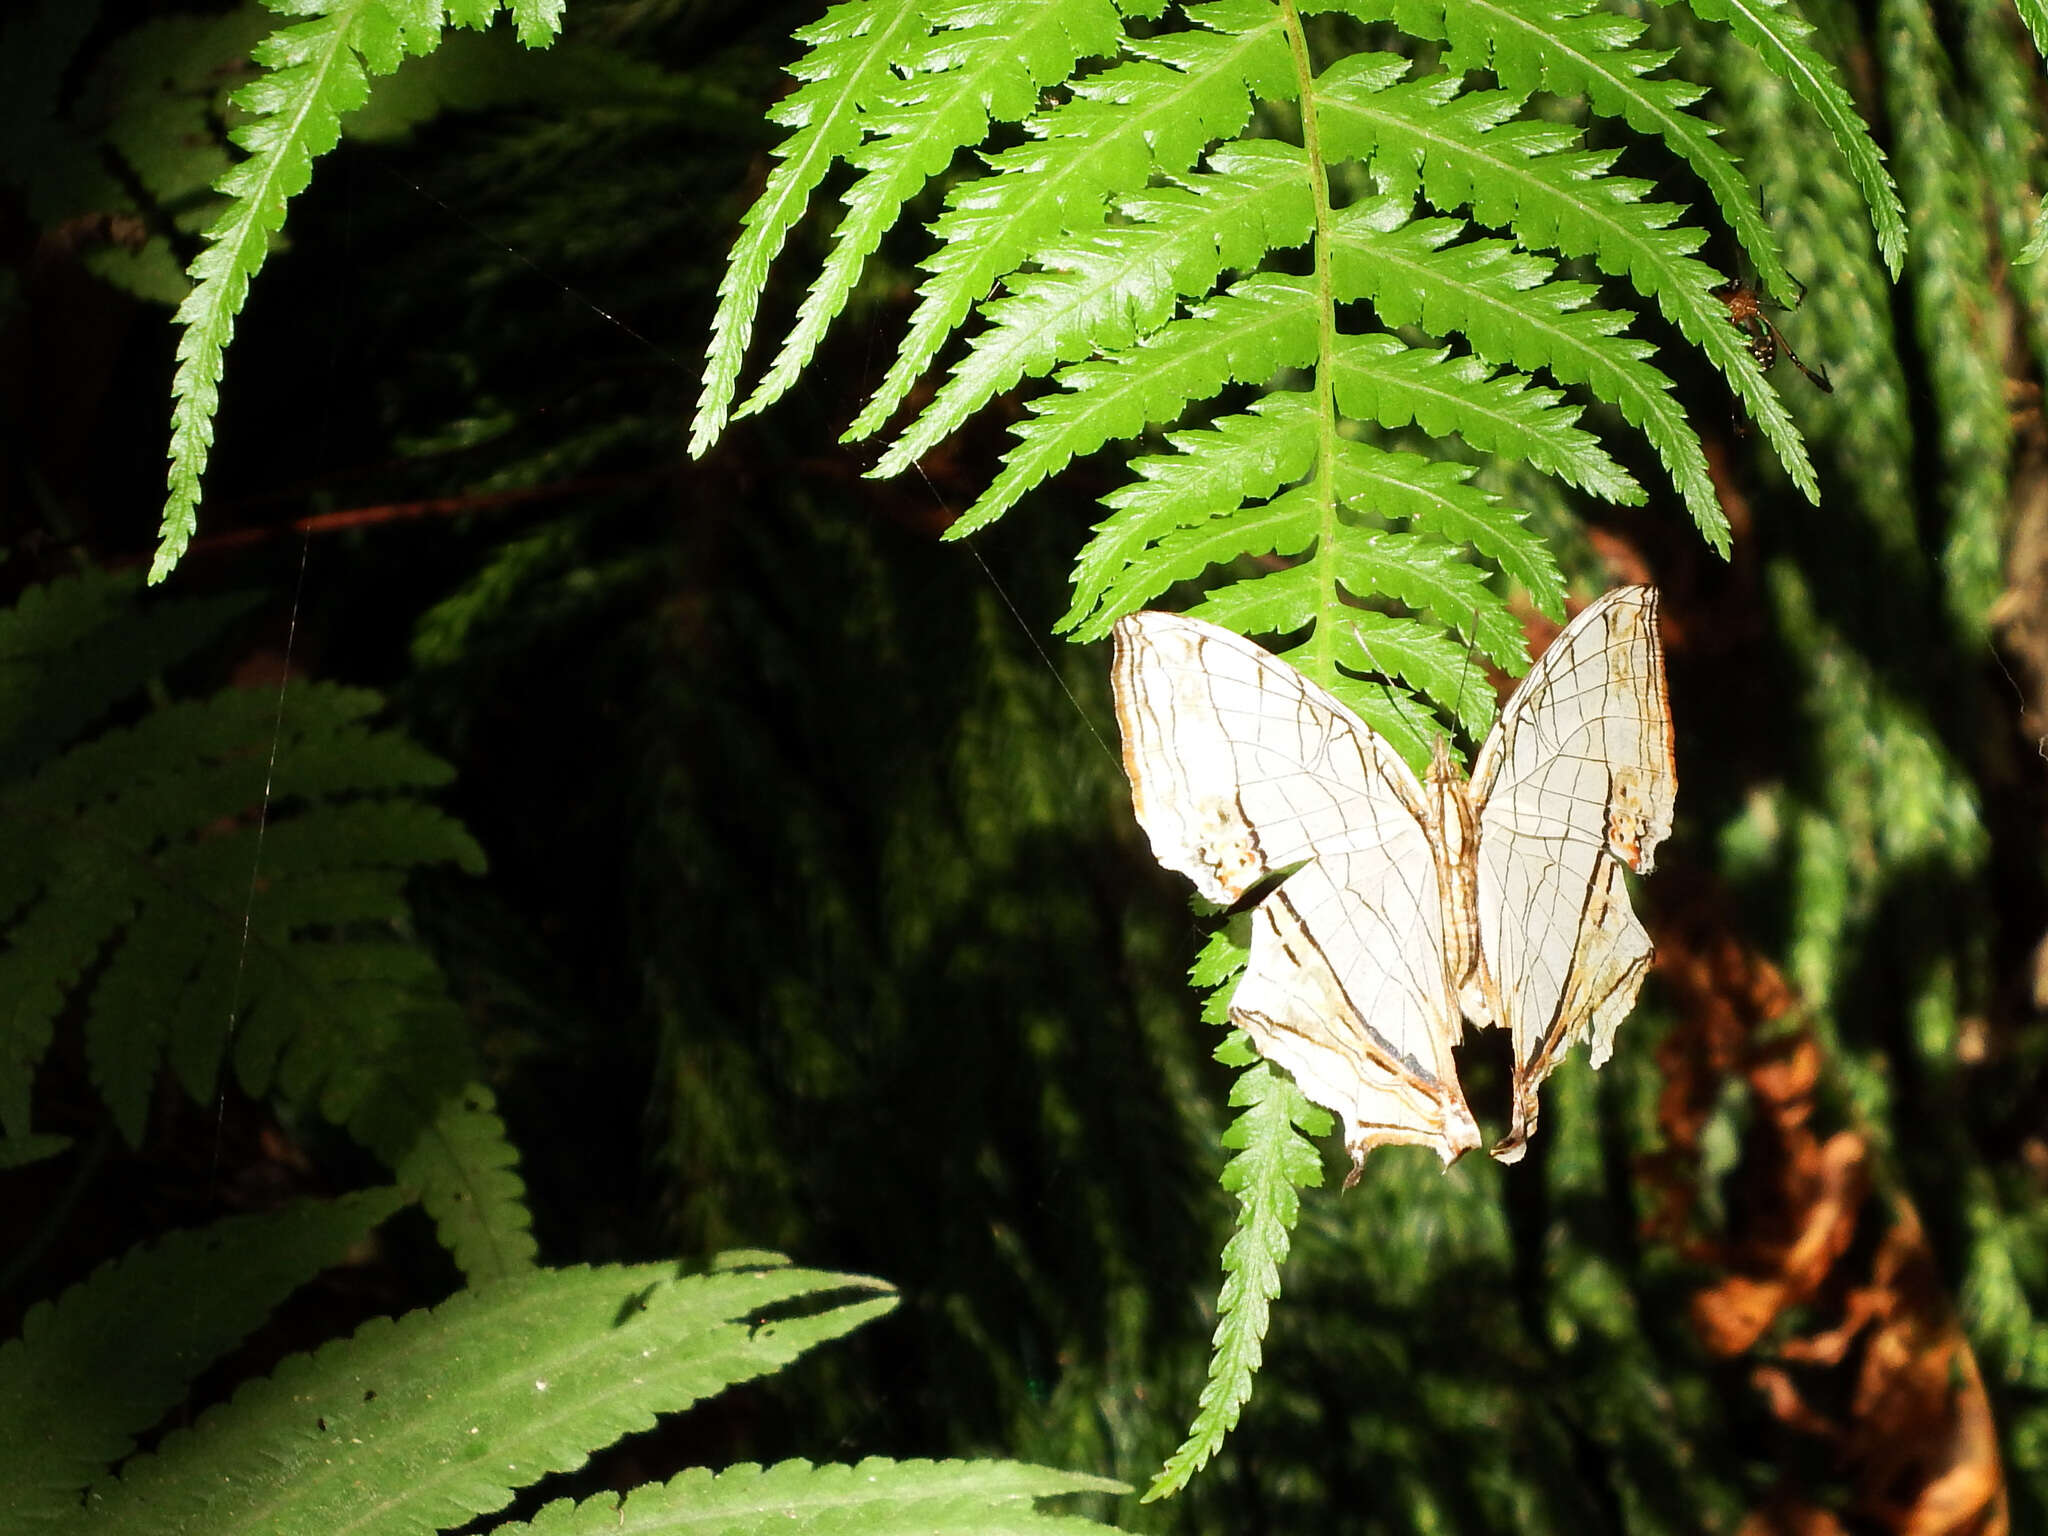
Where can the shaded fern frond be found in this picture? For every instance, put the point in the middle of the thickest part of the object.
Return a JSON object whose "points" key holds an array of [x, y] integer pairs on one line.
{"points": [[136, 144], [878, 1496], [144, 886], [116, 1331], [462, 1165], [444, 1414], [149, 885], [74, 648], [315, 71]]}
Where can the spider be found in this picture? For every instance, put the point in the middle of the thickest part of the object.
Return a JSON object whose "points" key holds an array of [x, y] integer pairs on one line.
{"points": [[1766, 341]]}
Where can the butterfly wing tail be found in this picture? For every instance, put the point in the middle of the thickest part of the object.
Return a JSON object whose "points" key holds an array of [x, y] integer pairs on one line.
{"points": [[1607, 972]]}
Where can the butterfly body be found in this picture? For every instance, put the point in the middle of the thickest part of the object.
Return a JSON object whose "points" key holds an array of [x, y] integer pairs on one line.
{"points": [[1418, 903]]}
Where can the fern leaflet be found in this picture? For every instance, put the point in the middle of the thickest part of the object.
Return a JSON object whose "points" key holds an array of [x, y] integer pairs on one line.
{"points": [[1779, 37], [108, 1358], [1153, 113], [315, 72], [1459, 150], [979, 72], [1570, 48], [878, 1496], [1502, 301], [462, 1165], [437, 1416]]}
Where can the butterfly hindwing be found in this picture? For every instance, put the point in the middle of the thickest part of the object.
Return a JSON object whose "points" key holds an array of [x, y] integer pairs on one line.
{"points": [[1576, 781], [1346, 990], [1241, 767]]}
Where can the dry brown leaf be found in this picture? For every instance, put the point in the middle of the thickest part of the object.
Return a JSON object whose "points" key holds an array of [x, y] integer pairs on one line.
{"points": [[1907, 1418]]}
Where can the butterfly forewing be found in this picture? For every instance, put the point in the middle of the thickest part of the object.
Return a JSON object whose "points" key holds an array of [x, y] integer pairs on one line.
{"points": [[1240, 767], [1576, 780]]}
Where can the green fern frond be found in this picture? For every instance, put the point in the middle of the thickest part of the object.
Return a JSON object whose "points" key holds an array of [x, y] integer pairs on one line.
{"points": [[316, 71], [1779, 36], [1259, 326], [1275, 1161], [969, 73], [1378, 378], [1570, 48], [1460, 150], [107, 1359], [1502, 300], [441, 1415], [1236, 459], [1154, 113], [1095, 304], [849, 73], [1432, 496], [878, 1497], [1104, 290], [1246, 457], [462, 1165]]}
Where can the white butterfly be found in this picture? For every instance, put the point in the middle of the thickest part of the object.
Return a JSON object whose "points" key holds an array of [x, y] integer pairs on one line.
{"points": [[1500, 899]]}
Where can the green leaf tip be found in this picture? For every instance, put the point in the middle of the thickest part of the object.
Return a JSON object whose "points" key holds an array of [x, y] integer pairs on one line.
{"points": [[1275, 1161], [315, 72]]}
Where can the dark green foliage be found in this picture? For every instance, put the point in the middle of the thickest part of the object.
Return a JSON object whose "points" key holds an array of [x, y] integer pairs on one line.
{"points": [[219, 877], [783, 805]]}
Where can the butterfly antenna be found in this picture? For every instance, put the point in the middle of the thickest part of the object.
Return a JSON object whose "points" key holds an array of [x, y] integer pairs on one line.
{"points": [[1030, 634], [1380, 669], [1465, 672]]}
